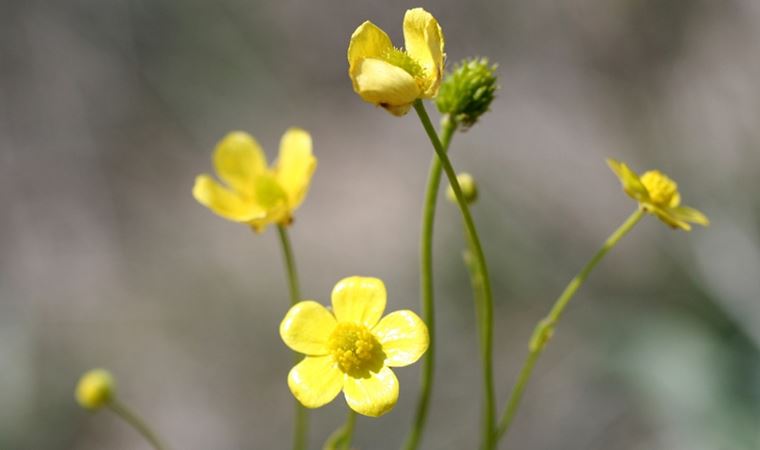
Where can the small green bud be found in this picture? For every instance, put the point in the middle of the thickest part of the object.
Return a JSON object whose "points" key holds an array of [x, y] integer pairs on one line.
{"points": [[469, 189], [96, 389], [467, 92]]}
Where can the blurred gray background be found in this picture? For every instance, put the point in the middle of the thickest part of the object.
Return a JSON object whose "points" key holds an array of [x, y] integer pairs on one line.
{"points": [[110, 108]]}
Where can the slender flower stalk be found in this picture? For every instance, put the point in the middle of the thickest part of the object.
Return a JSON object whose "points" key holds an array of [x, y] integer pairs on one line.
{"points": [[486, 317], [426, 282], [341, 438], [96, 390], [301, 419], [133, 419], [545, 328]]}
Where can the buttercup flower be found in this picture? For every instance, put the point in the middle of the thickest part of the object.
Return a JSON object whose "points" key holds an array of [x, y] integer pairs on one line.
{"points": [[95, 389], [350, 348], [657, 194], [254, 193], [395, 78]]}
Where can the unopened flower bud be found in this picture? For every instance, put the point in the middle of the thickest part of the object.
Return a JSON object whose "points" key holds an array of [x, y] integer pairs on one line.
{"points": [[467, 92], [468, 186], [96, 389]]}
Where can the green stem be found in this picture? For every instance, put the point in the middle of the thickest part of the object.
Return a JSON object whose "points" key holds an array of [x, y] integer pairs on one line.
{"points": [[426, 285], [341, 438], [545, 328], [290, 265], [301, 420], [486, 319], [137, 423], [476, 281]]}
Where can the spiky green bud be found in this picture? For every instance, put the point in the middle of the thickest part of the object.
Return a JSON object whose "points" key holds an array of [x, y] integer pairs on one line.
{"points": [[466, 92]]}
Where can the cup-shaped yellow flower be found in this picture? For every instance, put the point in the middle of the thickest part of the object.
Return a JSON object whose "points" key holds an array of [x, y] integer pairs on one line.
{"points": [[254, 193], [392, 78], [657, 194], [352, 348]]}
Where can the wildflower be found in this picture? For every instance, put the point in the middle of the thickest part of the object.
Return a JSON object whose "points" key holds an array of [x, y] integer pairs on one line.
{"points": [[393, 78], [254, 193], [351, 348], [657, 194], [468, 186], [95, 389], [467, 92]]}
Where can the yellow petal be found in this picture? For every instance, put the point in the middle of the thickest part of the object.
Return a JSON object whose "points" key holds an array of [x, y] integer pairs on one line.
{"points": [[359, 300], [629, 180], [372, 396], [368, 41], [404, 337], [295, 165], [384, 84], [666, 215], [238, 158], [225, 202], [690, 215], [307, 327], [315, 381], [423, 40]]}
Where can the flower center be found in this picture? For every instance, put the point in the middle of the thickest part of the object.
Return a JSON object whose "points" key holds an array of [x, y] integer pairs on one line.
{"points": [[400, 58], [661, 189], [355, 349]]}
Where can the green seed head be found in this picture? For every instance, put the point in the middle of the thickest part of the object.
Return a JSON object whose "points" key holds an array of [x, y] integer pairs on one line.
{"points": [[467, 92]]}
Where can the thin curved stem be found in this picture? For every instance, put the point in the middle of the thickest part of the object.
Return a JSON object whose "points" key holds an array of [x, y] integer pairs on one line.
{"points": [[545, 328], [341, 438], [486, 319], [301, 419], [290, 265], [426, 286], [137, 423]]}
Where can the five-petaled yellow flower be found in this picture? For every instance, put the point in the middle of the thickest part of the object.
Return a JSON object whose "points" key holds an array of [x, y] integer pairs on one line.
{"points": [[392, 78], [657, 194], [254, 193], [351, 348]]}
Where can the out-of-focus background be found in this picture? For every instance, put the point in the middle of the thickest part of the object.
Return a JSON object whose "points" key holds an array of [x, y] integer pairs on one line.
{"points": [[109, 109]]}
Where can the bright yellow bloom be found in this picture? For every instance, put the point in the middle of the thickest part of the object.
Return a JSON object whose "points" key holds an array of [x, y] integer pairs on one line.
{"points": [[351, 348], [95, 389], [392, 78], [657, 194], [254, 193]]}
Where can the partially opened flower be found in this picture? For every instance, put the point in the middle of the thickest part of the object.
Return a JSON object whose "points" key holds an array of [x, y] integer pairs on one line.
{"points": [[253, 193], [351, 348], [393, 78], [657, 194]]}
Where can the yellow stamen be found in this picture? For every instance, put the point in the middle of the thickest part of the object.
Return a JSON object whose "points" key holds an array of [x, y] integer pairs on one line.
{"points": [[355, 349], [661, 188], [400, 58]]}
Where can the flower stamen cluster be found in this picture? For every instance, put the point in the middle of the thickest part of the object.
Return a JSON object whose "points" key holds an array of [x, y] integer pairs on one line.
{"points": [[662, 190], [355, 348], [402, 59]]}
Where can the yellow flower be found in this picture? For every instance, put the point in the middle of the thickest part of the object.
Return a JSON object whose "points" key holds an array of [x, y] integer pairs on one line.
{"points": [[254, 193], [351, 348], [394, 78], [95, 389], [657, 194]]}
